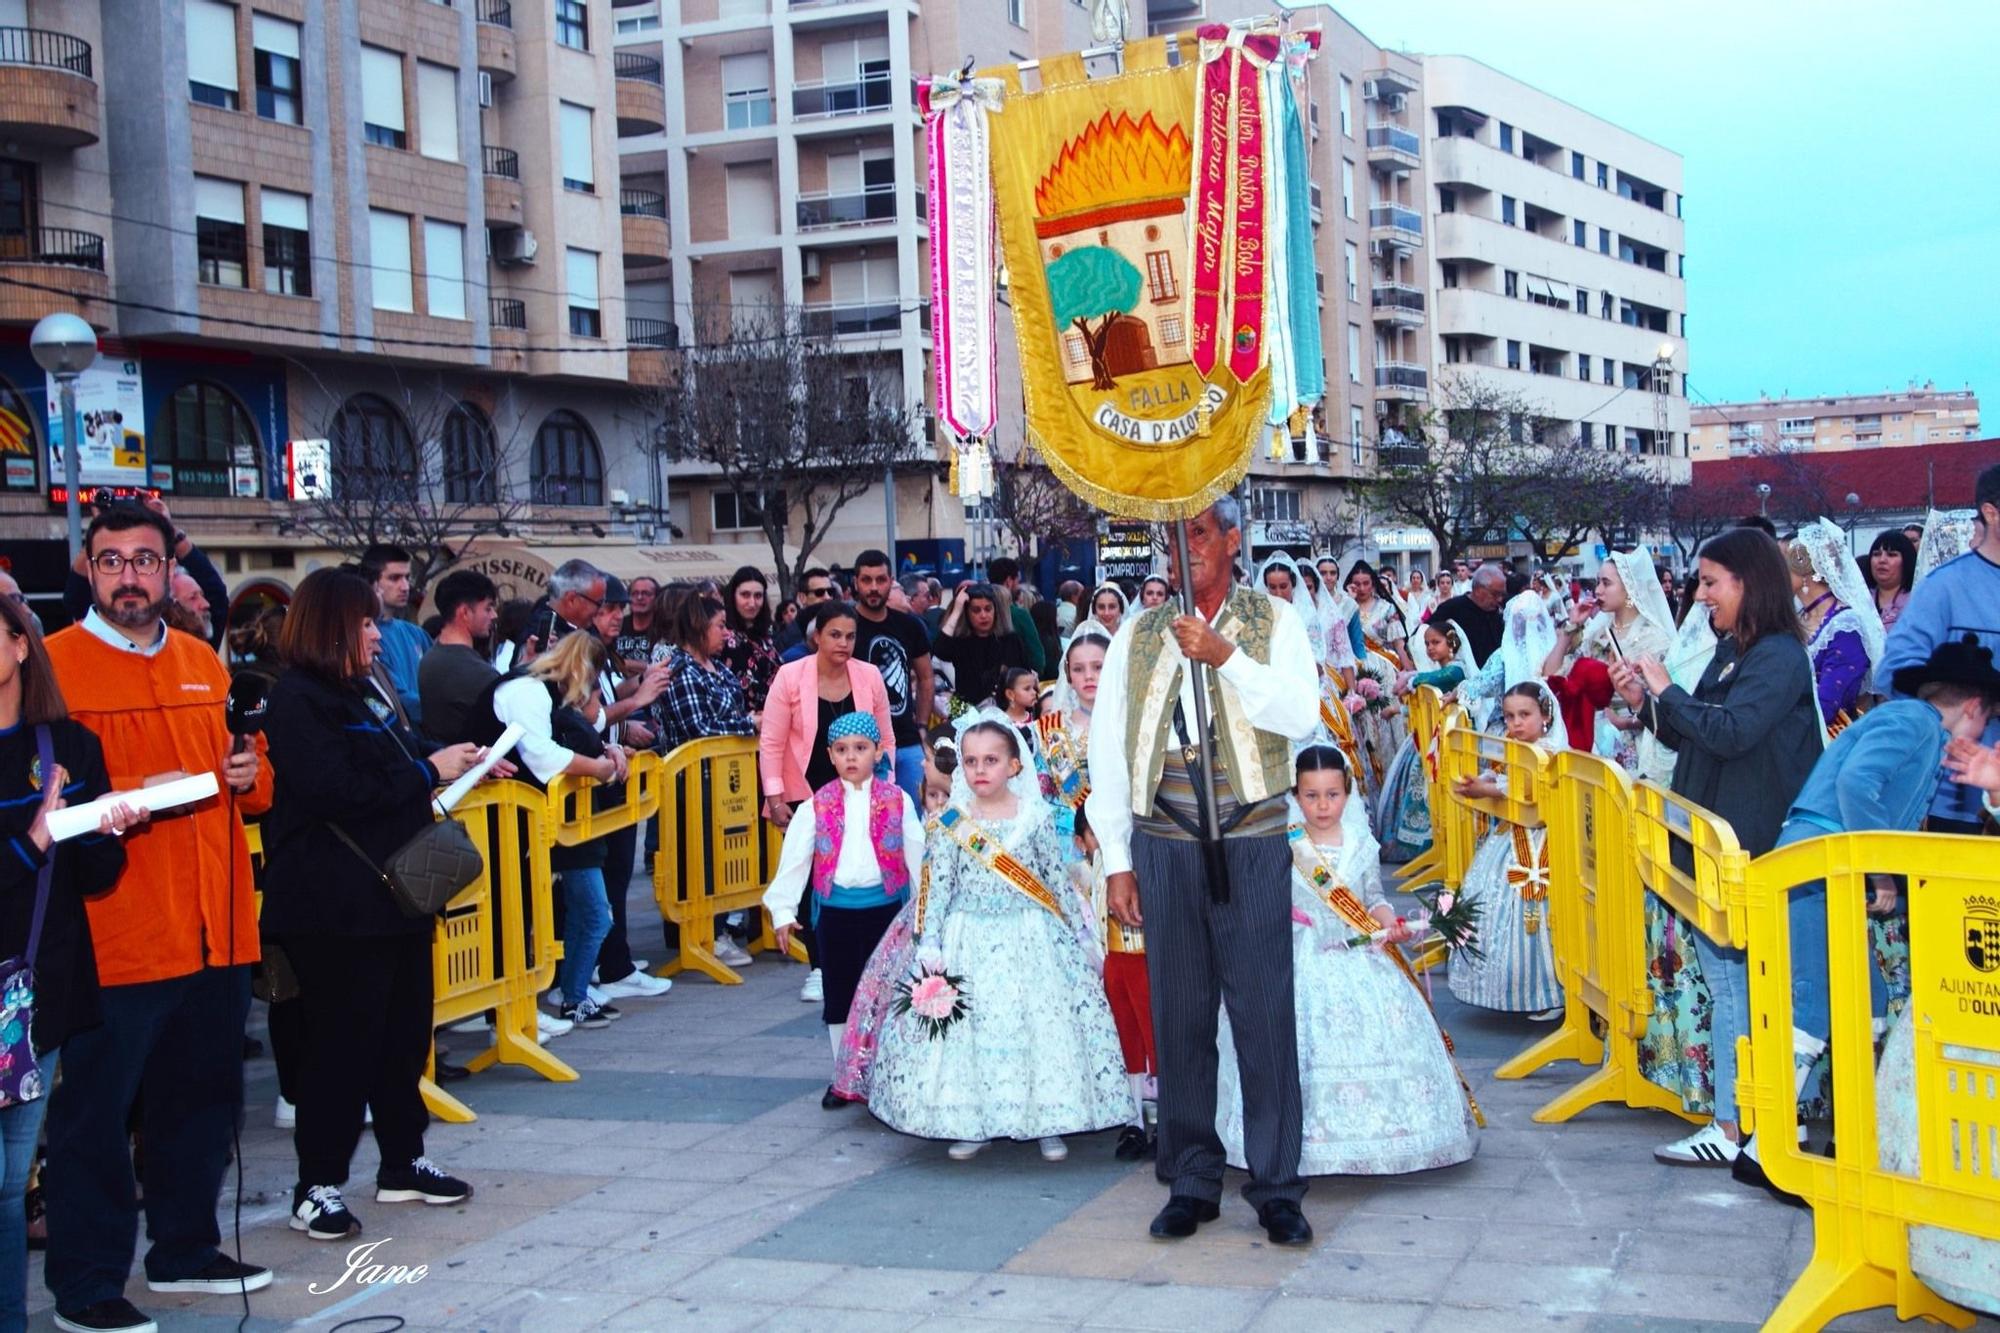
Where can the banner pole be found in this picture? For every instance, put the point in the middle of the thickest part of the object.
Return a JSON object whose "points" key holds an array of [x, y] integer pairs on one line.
{"points": [[1204, 793]]}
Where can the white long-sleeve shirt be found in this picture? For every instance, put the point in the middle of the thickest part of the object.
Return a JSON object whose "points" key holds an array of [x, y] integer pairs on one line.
{"points": [[526, 700], [857, 865], [1280, 696]]}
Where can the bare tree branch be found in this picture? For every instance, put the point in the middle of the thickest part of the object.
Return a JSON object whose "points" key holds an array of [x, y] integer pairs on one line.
{"points": [[795, 422], [1577, 488], [1031, 504], [1452, 469], [433, 482]]}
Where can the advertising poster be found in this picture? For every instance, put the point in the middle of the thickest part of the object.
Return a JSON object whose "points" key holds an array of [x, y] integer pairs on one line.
{"points": [[112, 414]]}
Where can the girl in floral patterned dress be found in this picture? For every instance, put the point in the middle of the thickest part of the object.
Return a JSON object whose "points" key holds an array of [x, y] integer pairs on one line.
{"points": [[1036, 1054], [1380, 1093]]}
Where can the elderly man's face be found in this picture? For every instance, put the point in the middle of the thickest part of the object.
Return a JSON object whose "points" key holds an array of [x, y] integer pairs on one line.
{"points": [[1213, 551], [1489, 588], [188, 595]]}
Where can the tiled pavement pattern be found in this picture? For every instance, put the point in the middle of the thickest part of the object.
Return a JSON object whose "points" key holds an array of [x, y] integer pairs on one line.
{"points": [[691, 1181]]}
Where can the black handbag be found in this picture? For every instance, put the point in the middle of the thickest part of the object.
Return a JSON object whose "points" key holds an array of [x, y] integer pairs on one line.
{"points": [[429, 870]]}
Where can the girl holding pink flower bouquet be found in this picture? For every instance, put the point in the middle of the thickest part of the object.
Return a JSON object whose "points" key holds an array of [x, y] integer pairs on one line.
{"points": [[1380, 1093], [1001, 1028]]}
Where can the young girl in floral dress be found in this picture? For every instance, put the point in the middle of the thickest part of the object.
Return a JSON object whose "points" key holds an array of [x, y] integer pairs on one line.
{"points": [[1035, 1056], [1404, 813], [1515, 969], [1381, 1095]]}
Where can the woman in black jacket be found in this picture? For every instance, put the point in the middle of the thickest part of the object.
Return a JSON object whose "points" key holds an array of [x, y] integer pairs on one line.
{"points": [[338, 756], [65, 994], [976, 640], [1745, 740]]}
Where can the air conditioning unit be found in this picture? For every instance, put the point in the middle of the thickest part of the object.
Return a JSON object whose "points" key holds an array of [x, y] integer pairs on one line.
{"points": [[1370, 89], [514, 246], [809, 265], [1397, 101], [620, 498], [485, 88]]}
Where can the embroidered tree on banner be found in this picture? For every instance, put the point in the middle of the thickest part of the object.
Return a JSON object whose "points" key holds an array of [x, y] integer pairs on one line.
{"points": [[1094, 282]]}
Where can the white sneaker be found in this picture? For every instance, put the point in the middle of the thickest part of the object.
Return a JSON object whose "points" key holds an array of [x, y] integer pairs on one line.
{"points": [[286, 1116], [597, 996], [1547, 1015], [472, 1026], [731, 954], [638, 984], [1054, 1149], [965, 1149], [548, 1025], [641, 964], [814, 991], [1707, 1146]]}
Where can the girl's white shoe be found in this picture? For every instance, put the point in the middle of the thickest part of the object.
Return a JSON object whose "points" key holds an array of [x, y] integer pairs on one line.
{"points": [[965, 1149], [1054, 1150]]}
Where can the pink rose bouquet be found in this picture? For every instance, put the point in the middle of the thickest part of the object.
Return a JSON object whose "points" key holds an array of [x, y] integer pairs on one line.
{"points": [[935, 997], [1456, 921]]}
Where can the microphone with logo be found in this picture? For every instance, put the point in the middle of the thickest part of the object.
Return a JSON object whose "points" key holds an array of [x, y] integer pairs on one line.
{"points": [[243, 712]]}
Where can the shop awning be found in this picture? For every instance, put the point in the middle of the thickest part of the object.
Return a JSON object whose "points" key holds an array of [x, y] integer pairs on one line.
{"points": [[523, 569]]}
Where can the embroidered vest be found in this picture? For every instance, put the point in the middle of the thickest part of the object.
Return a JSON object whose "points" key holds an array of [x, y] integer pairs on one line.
{"points": [[1252, 765], [885, 835]]}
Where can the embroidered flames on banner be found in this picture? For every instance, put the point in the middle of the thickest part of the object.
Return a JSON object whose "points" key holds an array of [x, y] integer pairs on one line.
{"points": [[1093, 180]]}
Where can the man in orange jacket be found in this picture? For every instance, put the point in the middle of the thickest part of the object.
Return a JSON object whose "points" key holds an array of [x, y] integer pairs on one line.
{"points": [[174, 939]]}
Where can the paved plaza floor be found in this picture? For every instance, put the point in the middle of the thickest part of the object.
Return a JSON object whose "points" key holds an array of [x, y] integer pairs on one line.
{"points": [[690, 1180]]}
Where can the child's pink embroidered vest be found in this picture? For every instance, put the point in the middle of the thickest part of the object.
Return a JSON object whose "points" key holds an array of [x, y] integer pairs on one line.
{"points": [[885, 835]]}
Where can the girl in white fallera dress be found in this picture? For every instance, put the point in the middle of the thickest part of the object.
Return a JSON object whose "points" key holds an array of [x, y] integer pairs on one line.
{"points": [[1036, 1054], [1381, 1095], [1509, 880]]}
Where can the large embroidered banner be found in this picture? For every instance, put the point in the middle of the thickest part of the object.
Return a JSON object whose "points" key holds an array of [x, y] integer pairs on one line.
{"points": [[1093, 179]]}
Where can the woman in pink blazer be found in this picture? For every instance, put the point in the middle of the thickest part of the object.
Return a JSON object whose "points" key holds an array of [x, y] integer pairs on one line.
{"points": [[806, 696]]}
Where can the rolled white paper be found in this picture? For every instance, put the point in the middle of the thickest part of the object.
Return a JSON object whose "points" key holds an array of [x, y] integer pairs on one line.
{"points": [[471, 778], [76, 820]]}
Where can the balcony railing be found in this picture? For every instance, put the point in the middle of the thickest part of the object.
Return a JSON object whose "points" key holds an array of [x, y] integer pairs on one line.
{"points": [[497, 12], [839, 321], [1396, 218], [852, 208], [1394, 137], [853, 97], [661, 333], [1399, 297], [44, 49], [53, 245], [502, 162], [1401, 375], [642, 203], [632, 65], [507, 313]]}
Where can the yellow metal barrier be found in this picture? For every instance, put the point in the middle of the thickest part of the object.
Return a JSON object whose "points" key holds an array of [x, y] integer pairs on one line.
{"points": [[1690, 860], [1598, 923], [717, 851], [575, 821], [1862, 1213], [1427, 708], [496, 947]]}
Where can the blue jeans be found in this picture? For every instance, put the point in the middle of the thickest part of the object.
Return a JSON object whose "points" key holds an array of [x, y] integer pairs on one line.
{"points": [[19, 1127], [910, 772], [1727, 972], [586, 921]]}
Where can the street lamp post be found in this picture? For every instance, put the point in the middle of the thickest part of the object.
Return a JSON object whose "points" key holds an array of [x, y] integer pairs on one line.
{"points": [[1763, 499], [1853, 516], [64, 346]]}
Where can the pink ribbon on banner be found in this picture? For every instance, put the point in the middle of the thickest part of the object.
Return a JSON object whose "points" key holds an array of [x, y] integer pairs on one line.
{"points": [[1230, 234]]}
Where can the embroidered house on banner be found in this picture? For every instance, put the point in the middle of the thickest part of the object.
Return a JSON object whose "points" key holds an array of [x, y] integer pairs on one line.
{"points": [[1112, 226]]}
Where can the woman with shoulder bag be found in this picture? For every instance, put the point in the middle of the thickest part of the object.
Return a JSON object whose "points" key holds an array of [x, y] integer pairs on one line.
{"points": [[351, 787], [46, 762]]}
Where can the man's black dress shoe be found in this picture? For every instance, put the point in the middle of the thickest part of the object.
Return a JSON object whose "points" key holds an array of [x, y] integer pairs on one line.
{"points": [[1133, 1144], [1284, 1223], [831, 1100], [1182, 1215], [1747, 1170], [451, 1073]]}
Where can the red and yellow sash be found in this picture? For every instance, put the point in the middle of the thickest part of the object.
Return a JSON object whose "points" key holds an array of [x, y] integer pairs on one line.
{"points": [[988, 851]]}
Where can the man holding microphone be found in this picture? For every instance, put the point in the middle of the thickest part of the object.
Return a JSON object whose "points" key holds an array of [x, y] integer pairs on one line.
{"points": [[174, 940]]}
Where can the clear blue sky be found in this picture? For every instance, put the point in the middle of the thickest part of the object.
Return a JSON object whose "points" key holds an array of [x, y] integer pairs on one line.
{"points": [[1842, 170]]}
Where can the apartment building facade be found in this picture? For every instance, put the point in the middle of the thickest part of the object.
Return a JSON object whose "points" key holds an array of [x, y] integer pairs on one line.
{"points": [[395, 227], [1918, 415]]}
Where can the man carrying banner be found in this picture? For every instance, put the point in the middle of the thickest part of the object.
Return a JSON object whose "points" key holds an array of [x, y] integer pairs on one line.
{"points": [[1207, 943]]}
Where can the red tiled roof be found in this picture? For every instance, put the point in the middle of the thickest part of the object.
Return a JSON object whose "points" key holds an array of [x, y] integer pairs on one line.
{"points": [[1911, 477]]}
